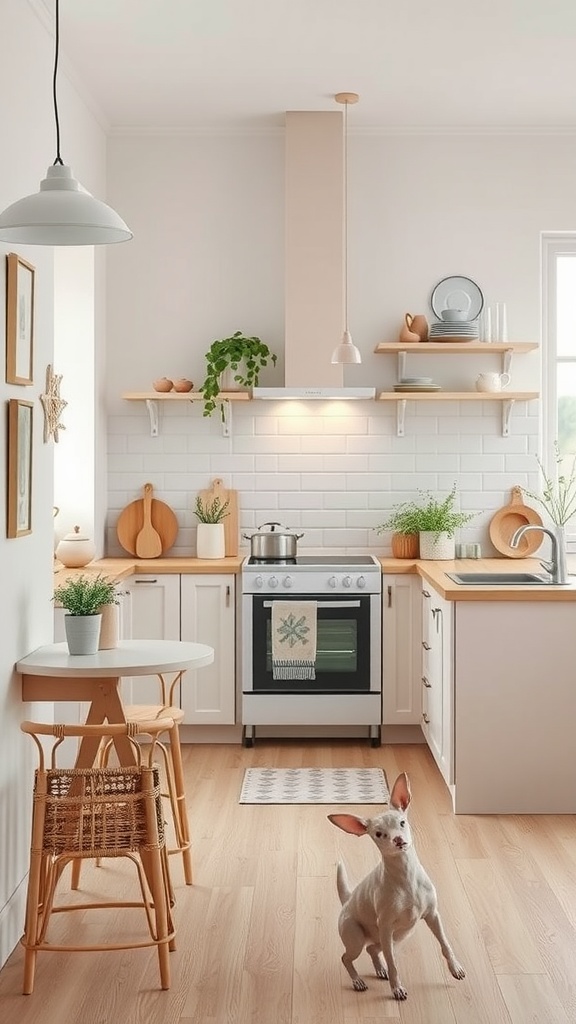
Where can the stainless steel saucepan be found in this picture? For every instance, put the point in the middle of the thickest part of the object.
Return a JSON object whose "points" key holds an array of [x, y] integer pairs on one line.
{"points": [[273, 543]]}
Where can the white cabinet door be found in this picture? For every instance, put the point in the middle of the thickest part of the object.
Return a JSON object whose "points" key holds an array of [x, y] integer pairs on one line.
{"points": [[438, 679], [207, 610], [155, 615], [401, 634]]}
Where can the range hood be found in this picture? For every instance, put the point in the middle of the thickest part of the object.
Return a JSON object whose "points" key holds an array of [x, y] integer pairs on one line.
{"points": [[314, 259]]}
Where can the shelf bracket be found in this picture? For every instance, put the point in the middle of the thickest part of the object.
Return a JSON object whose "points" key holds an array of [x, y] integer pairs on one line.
{"points": [[152, 407], [507, 407], [226, 418], [400, 416], [401, 365], [507, 360]]}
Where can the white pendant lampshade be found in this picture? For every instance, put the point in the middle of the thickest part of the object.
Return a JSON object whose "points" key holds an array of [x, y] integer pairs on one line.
{"points": [[346, 351], [62, 212]]}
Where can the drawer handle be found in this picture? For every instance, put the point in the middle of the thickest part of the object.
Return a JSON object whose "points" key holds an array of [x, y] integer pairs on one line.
{"points": [[426, 593], [427, 683], [425, 717], [145, 581], [426, 646]]}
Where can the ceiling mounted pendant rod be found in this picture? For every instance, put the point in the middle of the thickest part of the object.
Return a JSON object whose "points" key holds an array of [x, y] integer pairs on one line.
{"points": [[346, 351], [62, 212]]}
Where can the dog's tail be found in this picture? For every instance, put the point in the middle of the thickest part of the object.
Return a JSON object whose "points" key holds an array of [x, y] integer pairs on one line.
{"points": [[342, 884]]}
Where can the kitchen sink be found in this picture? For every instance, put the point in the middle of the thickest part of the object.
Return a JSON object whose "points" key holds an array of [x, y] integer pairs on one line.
{"points": [[498, 578]]}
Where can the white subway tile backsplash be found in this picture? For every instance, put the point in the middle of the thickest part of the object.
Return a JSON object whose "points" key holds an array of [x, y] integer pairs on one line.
{"points": [[334, 477]]}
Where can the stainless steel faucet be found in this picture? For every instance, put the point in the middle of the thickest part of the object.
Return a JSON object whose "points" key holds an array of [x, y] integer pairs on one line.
{"points": [[557, 564]]}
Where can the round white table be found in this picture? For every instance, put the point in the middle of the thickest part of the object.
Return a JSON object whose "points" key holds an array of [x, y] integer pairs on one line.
{"points": [[51, 674]]}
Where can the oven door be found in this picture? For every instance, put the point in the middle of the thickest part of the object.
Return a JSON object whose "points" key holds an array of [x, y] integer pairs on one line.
{"points": [[347, 645]]}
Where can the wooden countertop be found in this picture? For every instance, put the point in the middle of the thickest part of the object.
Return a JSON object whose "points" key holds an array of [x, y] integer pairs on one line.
{"points": [[433, 572]]}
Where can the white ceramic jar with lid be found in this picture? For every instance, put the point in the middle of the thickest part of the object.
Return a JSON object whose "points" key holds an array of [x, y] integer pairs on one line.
{"points": [[75, 549]]}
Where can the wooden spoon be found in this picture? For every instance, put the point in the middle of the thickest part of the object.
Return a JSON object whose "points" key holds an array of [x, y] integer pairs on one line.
{"points": [[148, 541]]}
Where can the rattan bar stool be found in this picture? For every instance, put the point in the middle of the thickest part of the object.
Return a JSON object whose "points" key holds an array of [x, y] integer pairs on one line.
{"points": [[176, 794], [94, 813]]}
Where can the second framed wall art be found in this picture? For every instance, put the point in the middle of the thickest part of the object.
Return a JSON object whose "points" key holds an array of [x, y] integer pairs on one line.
{"points": [[19, 320], [19, 468]]}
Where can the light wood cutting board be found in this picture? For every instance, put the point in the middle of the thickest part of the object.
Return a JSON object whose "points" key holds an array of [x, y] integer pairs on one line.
{"points": [[217, 490], [507, 520], [131, 521]]}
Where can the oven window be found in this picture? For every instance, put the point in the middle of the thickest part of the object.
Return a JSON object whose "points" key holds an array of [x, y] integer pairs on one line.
{"points": [[342, 647]]}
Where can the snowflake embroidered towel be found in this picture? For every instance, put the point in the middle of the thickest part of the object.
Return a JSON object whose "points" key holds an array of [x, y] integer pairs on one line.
{"points": [[293, 639]]}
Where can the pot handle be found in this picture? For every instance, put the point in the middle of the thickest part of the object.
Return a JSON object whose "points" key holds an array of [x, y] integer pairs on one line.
{"points": [[269, 524]]}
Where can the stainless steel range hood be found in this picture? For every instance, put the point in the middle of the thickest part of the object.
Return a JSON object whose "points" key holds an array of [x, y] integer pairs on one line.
{"points": [[314, 260]]}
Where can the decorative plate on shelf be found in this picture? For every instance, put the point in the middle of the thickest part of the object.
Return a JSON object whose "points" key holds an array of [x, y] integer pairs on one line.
{"points": [[457, 293]]}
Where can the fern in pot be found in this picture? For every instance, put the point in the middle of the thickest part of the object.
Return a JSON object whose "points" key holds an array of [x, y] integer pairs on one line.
{"points": [[434, 521], [210, 539], [84, 598]]}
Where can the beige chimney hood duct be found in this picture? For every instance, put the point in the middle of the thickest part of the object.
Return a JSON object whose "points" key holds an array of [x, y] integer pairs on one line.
{"points": [[314, 259]]}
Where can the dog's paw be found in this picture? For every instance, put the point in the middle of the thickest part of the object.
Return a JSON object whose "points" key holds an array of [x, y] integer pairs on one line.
{"points": [[359, 984], [456, 970], [399, 992], [381, 972]]}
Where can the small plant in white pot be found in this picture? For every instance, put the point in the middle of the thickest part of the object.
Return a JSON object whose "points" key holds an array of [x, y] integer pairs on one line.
{"points": [[210, 540], [83, 598], [435, 522]]}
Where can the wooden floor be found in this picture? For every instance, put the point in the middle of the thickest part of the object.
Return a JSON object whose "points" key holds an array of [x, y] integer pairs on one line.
{"points": [[257, 934]]}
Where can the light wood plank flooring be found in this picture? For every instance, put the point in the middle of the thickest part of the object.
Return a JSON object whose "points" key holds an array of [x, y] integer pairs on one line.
{"points": [[257, 934]]}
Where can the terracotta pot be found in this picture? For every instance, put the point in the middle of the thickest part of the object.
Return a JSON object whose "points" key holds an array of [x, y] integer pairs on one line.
{"points": [[405, 545]]}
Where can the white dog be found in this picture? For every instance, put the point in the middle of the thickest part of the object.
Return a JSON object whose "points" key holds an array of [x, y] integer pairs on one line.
{"points": [[386, 906]]}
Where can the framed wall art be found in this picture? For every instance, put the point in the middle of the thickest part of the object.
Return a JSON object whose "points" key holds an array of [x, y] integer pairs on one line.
{"points": [[19, 521], [19, 320]]}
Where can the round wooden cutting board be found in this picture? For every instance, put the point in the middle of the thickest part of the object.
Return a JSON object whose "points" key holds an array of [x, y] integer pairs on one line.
{"points": [[131, 521], [507, 520]]}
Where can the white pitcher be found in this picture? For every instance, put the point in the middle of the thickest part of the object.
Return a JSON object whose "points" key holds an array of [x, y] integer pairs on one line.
{"points": [[492, 381]]}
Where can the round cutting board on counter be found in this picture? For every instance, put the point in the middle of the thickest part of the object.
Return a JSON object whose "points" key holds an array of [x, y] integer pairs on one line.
{"points": [[147, 527], [508, 519]]}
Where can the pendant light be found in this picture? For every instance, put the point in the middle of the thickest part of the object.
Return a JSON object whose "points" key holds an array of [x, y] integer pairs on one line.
{"points": [[346, 351], [62, 212]]}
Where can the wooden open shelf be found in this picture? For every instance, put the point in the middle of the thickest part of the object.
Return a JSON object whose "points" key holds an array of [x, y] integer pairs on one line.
{"points": [[463, 347], [183, 396]]}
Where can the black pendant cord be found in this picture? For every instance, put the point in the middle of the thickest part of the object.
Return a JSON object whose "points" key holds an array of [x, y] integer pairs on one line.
{"points": [[58, 159]]}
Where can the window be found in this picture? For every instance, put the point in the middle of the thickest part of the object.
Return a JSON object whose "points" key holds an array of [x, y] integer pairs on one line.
{"points": [[559, 354]]}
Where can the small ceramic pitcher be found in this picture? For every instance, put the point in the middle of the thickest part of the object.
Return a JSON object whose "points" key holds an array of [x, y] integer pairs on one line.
{"points": [[492, 381], [418, 325]]}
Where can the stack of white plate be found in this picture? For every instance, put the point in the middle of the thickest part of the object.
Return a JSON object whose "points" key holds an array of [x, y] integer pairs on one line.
{"points": [[416, 384], [459, 330]]}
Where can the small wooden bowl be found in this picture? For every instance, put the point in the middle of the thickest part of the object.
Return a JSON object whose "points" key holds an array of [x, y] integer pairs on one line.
{"points": [[162, 385], [182, 384]]}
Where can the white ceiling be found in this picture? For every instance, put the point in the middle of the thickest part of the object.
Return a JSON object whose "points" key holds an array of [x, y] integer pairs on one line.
{"points": [[181, 64]]}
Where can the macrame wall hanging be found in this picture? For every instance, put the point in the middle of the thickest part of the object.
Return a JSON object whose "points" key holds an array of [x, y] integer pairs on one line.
{"points": [[53, 405]]}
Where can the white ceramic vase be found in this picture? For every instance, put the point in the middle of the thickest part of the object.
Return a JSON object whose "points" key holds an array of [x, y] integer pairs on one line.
{"points": [[82, 633], [210, 540], [437, 545], [227, 382]]}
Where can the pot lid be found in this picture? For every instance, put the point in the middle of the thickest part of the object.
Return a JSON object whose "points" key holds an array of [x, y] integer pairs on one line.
{"points": [[283, 531], [76, 535]]}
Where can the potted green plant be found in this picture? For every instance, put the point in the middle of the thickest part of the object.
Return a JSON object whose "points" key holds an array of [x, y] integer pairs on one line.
{"points": [[83, 598], [239, 354], [210, 539], [433, 520]]}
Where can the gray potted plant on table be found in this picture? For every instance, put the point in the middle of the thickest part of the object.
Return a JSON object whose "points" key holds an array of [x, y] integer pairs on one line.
{"points": [[238, 357], [434, 521], [83, 598], [210, 539]]}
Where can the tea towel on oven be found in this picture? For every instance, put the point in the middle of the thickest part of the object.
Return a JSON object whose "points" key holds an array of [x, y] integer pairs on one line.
{"points": [[293, 639]]}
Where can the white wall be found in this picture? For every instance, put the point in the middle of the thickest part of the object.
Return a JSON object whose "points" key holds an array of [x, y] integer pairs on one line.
{"points": [[208, 258], [28, 147]]}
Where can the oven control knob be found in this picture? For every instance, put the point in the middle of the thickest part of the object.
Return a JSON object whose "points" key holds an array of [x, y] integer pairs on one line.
{"points": [[288, 581], [333, 582], [347, 581], [361, 582], [273, 581], [259, 581]]}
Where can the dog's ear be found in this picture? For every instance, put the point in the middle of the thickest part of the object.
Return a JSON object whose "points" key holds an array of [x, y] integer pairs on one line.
{"points": [[401, 796], [349, 823]]}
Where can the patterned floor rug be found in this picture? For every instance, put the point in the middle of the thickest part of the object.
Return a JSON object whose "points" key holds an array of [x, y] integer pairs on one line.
{"points": [[314, 786]]}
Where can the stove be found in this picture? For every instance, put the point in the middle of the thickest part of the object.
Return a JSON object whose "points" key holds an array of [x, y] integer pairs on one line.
{"points": [[343, 592]]}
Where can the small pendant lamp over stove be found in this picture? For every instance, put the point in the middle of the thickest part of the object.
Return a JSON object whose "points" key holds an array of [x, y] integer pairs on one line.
{"points": [[346, 351], [62, 212]]}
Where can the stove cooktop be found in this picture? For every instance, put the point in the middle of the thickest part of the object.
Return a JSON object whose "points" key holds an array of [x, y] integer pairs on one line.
{"points": [[364, 562]]}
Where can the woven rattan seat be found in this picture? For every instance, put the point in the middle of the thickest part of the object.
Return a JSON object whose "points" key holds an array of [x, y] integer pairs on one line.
{"points": [[99, 812]]}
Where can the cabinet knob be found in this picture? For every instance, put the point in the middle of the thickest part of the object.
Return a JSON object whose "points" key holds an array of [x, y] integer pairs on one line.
{"points": [[426, 646], [427, 683], [425, 717]]}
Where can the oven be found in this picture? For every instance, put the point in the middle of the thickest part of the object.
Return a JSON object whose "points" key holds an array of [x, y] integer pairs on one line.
{"points": [[346, 687]]}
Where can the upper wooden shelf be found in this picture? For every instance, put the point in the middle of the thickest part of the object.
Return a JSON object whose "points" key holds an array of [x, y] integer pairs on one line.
{"points": [[184, 396], [457, 396], [421, 347]]}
